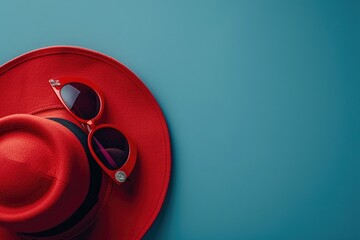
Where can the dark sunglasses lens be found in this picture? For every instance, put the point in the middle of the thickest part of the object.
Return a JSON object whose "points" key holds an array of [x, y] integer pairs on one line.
{"points": [[81, 100], [111, 147]]}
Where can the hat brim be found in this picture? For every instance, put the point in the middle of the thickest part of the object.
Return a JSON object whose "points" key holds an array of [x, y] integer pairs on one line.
{"points": [[133, 206]]}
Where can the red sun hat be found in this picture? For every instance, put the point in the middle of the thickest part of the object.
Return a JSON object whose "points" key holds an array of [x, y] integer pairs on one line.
{"points": [[54, 184]]}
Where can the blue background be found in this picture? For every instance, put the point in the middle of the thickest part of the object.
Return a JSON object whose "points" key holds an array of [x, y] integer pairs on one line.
{"points": [[261, 97]]}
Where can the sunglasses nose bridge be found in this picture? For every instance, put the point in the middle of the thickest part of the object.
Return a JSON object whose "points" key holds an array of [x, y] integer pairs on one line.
{"points": [[88, 126]]}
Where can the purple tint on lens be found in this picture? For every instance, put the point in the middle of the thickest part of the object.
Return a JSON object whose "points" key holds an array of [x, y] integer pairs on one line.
{"points": [[111, 147], [81, 100]]}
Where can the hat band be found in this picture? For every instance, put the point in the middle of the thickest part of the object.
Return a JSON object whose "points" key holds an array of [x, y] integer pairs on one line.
{"points": [[94, 189]]}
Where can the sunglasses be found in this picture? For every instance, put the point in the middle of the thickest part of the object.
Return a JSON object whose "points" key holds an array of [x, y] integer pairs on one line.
{"points": [[111, 148]]}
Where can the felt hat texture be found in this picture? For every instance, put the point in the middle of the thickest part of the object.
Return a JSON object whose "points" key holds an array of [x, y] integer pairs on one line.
{"points": [[50, 187]]}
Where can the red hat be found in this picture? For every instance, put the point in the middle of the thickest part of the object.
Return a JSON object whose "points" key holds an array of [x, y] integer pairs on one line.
{"points": [[50, 185]]}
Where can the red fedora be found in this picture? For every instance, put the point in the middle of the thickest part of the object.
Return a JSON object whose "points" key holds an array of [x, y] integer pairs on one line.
{"points": [[52, 186]]}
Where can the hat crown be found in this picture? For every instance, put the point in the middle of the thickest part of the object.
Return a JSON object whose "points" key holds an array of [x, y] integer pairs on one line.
{"points": [[23, 180], [39, 160]]}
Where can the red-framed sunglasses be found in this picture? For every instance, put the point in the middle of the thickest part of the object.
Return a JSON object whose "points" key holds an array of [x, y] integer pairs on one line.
{"points": [[111, 148]]}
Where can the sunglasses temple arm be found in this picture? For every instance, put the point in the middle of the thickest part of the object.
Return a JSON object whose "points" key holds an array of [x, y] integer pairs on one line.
{"points": [[105, 153]]}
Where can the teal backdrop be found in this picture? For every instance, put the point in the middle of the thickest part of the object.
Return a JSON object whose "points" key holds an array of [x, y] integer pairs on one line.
{"points": [[261, 97]]}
